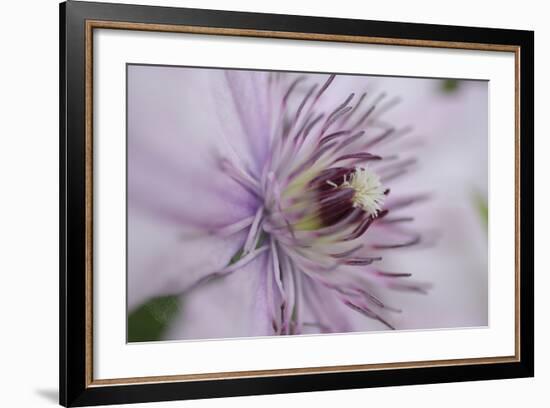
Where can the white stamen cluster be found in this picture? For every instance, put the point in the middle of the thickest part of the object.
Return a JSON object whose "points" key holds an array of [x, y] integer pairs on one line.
{"points": [[369, 192]]}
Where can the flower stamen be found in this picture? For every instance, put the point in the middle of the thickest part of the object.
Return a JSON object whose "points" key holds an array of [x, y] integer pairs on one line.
{"points": [[368, 190]]}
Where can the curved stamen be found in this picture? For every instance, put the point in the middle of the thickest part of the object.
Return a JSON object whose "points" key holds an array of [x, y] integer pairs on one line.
{"points": [[333, 135], [361, 261], [253, 233], [413, 241], [241, 177], [231, 229], [355, 108], [341, 106], [292, 87], [325, 86], [317, 206], [228, 269], [330, 121], [367, 312]]}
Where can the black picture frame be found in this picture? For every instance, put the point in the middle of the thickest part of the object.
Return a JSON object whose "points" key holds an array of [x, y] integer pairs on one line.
{"points": [[76, 389]]}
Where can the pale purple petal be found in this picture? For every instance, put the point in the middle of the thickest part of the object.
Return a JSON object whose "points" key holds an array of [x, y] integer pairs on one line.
{"points": [[232, 306], [322, 311], [242, 103], [223, 161], [166, 259], [175, 147]]}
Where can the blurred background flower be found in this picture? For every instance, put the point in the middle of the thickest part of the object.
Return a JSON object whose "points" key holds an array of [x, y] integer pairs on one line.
{"points": [[245, 190]]}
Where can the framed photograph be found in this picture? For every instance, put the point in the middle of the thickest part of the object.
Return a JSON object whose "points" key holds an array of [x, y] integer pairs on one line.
{"points": [[256, 203]]}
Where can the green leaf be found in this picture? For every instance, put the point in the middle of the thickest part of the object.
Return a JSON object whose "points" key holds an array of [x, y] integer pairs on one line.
{"points": [[150, 320], [480, 203], [449, 86]]}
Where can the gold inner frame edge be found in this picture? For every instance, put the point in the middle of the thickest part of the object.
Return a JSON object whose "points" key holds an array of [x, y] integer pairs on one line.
{"points": [[92, 24]]}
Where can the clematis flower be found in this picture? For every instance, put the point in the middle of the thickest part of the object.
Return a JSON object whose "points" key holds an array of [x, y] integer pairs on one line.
{"points": [[272, 203]]}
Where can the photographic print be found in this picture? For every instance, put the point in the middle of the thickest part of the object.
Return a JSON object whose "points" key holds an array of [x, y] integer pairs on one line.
{"points": [[267, 203], [290, 203]]}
